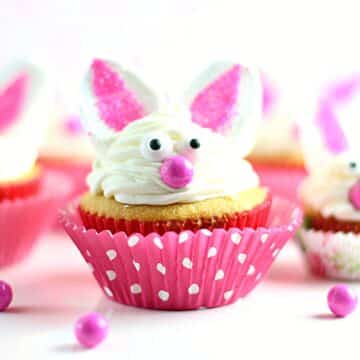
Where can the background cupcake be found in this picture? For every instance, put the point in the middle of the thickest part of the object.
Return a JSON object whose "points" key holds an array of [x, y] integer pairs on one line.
{"points": [[27, 195], [186, 213], [66, 147], [331, 192], [277, 155]]}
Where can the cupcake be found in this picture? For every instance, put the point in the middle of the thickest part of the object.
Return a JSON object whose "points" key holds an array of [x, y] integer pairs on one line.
{"points": [[66, 147], [277, 155], [26, 194], [331, 193], [172, 201]]}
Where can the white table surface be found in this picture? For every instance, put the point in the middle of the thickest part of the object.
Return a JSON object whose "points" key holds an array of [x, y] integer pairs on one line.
{"points": [[285, 317]]}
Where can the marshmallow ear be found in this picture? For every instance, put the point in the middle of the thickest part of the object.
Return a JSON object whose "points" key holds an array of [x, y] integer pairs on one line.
{"points": [[113, 98], [227, 98], [19, 83]]}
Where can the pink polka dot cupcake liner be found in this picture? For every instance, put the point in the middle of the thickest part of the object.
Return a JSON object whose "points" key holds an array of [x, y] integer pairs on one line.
{"points": [[22, 221], [333, 255], [186, 270]]}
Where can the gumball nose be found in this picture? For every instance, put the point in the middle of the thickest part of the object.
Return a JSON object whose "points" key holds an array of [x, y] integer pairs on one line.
{"points": [[354, 195], [176, 172]]}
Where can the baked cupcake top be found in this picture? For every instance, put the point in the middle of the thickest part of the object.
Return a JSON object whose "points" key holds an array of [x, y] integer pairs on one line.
{"points": [[152, 153], [333, 153], [22, 119]]}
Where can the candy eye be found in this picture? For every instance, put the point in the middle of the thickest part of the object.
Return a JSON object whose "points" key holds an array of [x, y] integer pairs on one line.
{"points": [[353, 165], [194, 143], [156, 147]]}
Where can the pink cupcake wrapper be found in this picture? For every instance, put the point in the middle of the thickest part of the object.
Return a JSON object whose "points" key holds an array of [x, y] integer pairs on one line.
{"points": [[334, 255], [23, 220], [182, 271]]}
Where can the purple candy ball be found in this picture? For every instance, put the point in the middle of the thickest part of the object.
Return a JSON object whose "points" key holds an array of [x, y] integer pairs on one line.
{"points": [[6, 295], [91, 329], [342, 300]]}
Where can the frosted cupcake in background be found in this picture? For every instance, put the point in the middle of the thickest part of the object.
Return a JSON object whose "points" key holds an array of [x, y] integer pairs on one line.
{"points": [[28, 197], [66, 147], [277, 155], [330, 194], [175, 217]]}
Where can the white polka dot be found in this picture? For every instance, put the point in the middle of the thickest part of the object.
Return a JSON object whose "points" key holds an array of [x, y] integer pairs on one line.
{"points": [[193, 289], [206, 232], [157, 241], [136, 265], [108, 291], [290, 228], [161, 268], [251, 270], [275, 252], [228, 294], [133, 240], [272, 246], [258, 276], [111, 274], [88, 253], [111, 254], [187, 263], [235, 238], [135, 289], [212, 252], [183, 237], [264, 238], [242, 257], [219, 274], [163, 295]]}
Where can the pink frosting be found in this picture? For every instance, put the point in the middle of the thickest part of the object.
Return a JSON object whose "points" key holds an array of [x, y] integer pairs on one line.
{"points": [[213, 107], [11, 101], [117, 105]]}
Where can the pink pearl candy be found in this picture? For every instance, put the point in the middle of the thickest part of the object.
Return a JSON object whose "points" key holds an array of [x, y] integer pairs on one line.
{"points": [[6, 295], [176, 172], [354, 195], [91, 329], [342, 300]]}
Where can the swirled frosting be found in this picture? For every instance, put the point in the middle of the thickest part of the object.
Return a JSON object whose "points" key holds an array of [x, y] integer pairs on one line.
{"points": [[121, 171], [326, 190]]}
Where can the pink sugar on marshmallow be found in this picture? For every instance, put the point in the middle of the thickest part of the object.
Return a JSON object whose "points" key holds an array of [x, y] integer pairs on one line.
{"points": [[213, 107], [117, 104], [11, 101]]}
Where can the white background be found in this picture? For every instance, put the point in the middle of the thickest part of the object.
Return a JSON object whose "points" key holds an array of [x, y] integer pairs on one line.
{"points": [[299, 43]]}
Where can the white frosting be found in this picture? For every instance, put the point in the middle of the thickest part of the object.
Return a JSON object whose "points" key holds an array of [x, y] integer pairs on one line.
{"points": [[121, 171], [326, 189], [276, 137], [61, 144]]}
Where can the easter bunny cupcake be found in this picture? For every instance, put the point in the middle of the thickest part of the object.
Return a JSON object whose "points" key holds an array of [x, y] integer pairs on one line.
{"points": [[331, 193], [277, 155], [25, 196], [66, 147], [170, 192]]}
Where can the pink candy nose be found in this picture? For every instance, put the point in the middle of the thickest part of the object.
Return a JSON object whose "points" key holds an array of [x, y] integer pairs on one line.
{"points": [[354, 195], [176, 172]]}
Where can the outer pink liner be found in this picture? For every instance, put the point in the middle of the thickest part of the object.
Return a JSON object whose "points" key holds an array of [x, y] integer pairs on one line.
{"points": [[23, 220], [182, 271]]}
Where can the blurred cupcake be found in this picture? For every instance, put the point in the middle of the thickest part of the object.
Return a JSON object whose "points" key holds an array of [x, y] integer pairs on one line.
{"points": [[66, 147], [330, 194], [170, 195], [26, 194], [277, 155]]}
